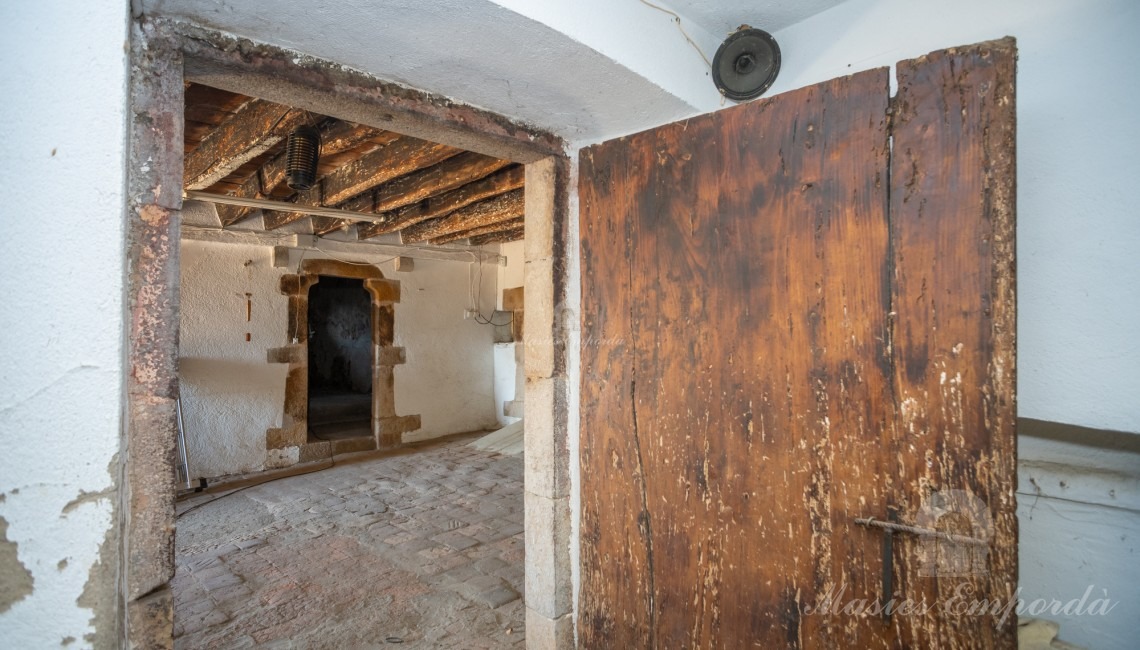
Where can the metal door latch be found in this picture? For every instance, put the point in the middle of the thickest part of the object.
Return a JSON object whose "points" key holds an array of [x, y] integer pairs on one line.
{"points": [[889, 528]]}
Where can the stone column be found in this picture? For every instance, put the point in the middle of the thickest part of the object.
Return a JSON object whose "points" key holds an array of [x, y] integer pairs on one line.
{"points": [[549, 590]]}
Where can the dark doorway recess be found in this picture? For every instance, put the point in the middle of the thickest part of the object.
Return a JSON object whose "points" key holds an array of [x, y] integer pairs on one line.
{"points": [[340, 359]]}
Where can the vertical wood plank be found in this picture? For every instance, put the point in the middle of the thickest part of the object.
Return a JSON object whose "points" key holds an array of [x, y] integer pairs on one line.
{"points": [[616, 556], [741, 258], [952, 225]]}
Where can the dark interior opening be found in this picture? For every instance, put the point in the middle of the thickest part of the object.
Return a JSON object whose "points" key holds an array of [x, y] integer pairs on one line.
{"points": [[340, 359]]}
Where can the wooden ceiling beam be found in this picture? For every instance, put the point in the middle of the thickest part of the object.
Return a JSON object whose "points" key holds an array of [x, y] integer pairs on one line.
{"points": [[252, 130], [511, 224], [399, 158], [503, 207], [448, 175], [443, 204], [325, 225], [500, 237], [336, 137]]}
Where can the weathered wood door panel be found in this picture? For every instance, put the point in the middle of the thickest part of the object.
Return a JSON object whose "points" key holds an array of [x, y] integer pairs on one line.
{"points": [[788, 326]]}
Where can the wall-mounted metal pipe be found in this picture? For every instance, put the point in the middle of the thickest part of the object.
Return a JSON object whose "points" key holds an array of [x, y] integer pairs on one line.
{"points": [[281, 206]]}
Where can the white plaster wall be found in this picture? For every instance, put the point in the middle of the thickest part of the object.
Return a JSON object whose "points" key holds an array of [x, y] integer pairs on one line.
{"points": [[506, 373], [723, 16], [232, 395], [1079, 515], [449, 376], [61, 275], [643, 39]]}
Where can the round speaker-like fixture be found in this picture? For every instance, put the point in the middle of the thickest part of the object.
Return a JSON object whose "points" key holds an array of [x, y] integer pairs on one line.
{"points": [[746, 64], [302, 151]]}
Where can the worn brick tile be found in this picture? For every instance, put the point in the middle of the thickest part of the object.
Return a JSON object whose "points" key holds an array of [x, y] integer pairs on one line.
{"points": [[461, 574], [455, 540], [361, 549], [497, 596], [400, 538], [213, 571], [490, 564], [217, 583]]}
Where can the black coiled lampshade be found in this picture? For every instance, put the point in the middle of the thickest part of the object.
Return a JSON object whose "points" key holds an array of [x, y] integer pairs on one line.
{"points": [[302, 151]]}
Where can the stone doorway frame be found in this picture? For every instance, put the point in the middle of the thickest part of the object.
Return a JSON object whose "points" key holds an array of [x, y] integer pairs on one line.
{"points": [[163, 55], [290, 443]]}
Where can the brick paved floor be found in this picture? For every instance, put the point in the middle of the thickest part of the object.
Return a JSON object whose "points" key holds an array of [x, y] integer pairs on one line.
{"points": [[420, 550]]}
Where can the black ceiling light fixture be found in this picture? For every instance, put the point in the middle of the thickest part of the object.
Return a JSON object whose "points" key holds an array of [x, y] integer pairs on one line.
{"points": [[746, 64], [302, 151]]}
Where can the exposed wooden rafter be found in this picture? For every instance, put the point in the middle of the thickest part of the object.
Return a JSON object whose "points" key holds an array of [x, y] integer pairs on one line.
{"points": [[500, 237], [325, 225], [376, 181], [512, 224], [494, 210], [447, 175], [446, 203], [254, 129], [336, 138], [401, 157]]}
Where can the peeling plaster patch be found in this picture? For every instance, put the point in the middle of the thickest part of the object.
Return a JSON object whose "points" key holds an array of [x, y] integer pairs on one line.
{"points": [[15, 579], [67, 640], [99, 595], [86, 497]]}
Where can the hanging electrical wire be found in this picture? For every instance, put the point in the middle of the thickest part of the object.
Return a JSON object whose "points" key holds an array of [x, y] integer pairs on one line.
{"points": [[681, 28], [474, 289]]}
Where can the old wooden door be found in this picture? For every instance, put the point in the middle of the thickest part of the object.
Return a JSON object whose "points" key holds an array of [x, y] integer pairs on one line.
{"points": [[799, 312]]}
